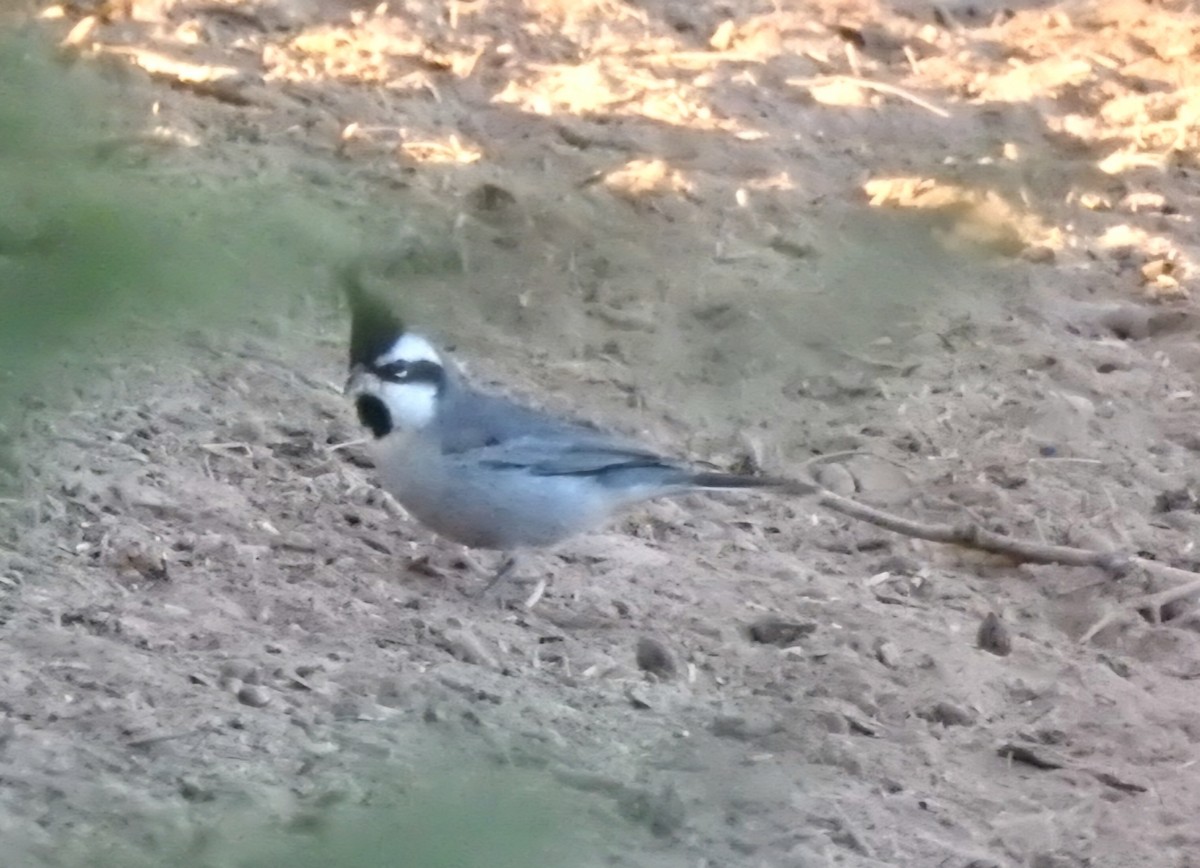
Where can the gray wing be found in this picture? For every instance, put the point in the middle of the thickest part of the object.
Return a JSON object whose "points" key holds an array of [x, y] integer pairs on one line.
{"points": [[566, 456], [499, 433], [472, 420], [603, 462]]}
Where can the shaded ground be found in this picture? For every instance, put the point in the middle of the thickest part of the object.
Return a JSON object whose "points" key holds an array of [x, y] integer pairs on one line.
{"points": [[959, 238]]}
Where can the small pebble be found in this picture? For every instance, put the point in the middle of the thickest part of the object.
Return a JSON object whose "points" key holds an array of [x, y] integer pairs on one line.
{"points": [[723, 36], [1038, 253], [742, 728], [834, 722], [637, 698], [393, 693], [899, 565], [239, 669], [468, 648], [254, 695], [887, 654], [993, 636], [320, 749], [948, 714], [351, 707], [247, 430], [1118, 666], [836, 478], [772, 630], [488, 197], [664, 814], [837, 753], [192, 790], [653, 657]]}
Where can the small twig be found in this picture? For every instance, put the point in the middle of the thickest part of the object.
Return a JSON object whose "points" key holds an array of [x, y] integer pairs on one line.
{"points": [[533, 599], [905, 368], [225, 83], [974, 537], [1157, 600], [1022, 551], [1063, 459], [1153, 602], [878, 86], [226, 448], [159, 137], [1107, 621], [158, 739], [852, 57], [1039, 757], [818, 460]]}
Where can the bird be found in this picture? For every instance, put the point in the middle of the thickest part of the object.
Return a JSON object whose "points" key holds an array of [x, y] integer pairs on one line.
{"points": [[486, 471]]}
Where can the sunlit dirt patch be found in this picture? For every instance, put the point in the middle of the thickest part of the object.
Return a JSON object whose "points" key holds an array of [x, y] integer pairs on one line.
{"points": [[612, 85], [1121, 73], [655, 215], [969, 218], [639, 178], [378, 49]]}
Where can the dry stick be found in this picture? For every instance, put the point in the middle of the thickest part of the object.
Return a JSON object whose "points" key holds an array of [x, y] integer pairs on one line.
{"points": [[226, 83], [905, 367], [1153, 602], [1025, 551], [869, 84], [974, 537]]}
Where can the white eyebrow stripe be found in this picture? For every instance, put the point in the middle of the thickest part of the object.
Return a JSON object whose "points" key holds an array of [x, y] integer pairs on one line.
{"points": [[410, 348]]}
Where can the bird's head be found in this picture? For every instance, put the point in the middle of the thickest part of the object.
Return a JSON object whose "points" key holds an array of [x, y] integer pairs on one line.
{"points": [[396, 376]]}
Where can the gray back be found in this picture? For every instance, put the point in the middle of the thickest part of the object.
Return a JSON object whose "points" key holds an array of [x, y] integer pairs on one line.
{"points": [[469, 419]]}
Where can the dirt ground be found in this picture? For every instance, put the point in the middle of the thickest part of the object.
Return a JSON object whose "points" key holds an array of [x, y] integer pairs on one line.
{"points": [[958, 239]]}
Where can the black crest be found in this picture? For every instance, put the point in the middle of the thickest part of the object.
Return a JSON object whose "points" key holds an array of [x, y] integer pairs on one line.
{"points": [[374, 327]]}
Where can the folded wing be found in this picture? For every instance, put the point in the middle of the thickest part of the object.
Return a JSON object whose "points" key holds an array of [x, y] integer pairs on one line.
{"points": [[604, 460]]}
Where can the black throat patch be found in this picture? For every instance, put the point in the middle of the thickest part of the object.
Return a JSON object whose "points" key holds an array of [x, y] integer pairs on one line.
{"points": [[373, 414]]}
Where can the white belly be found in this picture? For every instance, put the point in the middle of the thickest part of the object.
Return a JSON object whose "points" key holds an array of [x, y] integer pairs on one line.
{"points": [[486, 507]]}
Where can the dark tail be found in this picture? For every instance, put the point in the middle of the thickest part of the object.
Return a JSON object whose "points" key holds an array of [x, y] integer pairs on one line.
{"points": [[733, 481]]}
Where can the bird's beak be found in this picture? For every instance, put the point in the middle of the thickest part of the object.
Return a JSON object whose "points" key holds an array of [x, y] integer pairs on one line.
{"points": [[356, 381]]}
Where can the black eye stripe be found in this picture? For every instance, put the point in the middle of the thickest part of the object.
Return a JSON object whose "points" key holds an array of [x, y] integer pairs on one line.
{"points": [[392, 370], [420, 371]]}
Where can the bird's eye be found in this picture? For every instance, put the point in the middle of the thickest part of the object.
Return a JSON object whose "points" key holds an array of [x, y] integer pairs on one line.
{"points": [[394, 371]]}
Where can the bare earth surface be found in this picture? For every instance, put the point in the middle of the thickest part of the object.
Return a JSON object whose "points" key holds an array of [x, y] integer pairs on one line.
{"points": [[959, 239]]}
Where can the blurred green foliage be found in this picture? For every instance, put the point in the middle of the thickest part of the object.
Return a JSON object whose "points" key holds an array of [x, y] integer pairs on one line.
{"points": [[100, 253], [86, 238], [475, 815]]}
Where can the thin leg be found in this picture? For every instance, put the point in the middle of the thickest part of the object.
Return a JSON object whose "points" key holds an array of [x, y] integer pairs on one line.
{"points": [[506, 570], [472, 564]]}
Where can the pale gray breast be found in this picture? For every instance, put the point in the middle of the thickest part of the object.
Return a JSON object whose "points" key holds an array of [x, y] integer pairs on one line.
{"points": [[492, 473], [459, 498]]}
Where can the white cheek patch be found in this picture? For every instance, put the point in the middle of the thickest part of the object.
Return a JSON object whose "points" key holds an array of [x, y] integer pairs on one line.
{"points": [[412, 405], [411, 348]]}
